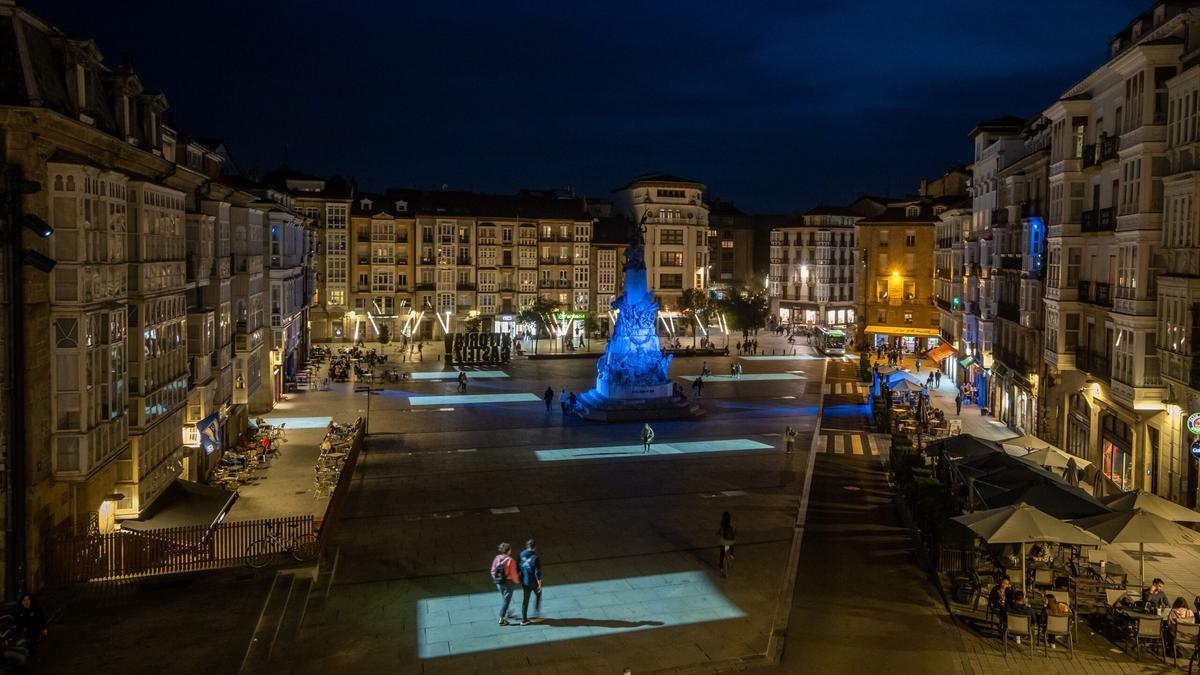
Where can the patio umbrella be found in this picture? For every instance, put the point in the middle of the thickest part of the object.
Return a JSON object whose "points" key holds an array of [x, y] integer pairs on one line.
{"points": [[1139, 527], [1056, 499], [897, 376], [906, 386], [1054, 458], [1148, 501], [1021, 524]]}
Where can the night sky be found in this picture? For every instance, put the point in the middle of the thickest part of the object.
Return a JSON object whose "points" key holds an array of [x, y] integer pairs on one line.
{"points": [[774, 105]]}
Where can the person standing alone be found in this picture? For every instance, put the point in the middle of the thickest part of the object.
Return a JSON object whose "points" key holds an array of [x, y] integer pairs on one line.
{"points": [[530, 568], [647, 438], [548, 397], [727, 535], [789, 436], [504, 575]]}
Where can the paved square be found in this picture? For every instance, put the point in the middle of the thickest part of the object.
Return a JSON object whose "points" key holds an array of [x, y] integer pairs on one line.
{"points": [[628, 542]]}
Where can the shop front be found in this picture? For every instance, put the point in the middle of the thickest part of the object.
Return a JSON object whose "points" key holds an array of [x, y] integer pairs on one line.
{"points": [[1116, 452], [907, 338]]}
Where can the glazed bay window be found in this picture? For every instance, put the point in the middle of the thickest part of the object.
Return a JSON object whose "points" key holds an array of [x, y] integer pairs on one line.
{"points": [[670, 281], [670, 236], [670, 259]]}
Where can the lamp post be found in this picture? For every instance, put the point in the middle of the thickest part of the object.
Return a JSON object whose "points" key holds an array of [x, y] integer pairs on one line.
{"points": [[369, 391]]}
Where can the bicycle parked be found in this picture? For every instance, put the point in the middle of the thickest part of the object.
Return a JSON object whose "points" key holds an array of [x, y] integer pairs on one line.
{"points": [[260, 553]]}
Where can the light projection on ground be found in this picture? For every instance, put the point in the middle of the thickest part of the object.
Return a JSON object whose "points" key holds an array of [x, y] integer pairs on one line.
{"points": [[466, 624], [682, 448], [469, 399], [299, 422], [795, 357], [744, 377], [453, 374]]}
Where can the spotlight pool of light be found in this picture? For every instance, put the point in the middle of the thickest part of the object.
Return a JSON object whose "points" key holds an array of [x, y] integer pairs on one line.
{"points": [[453, 374], [465, 624], [470, 399], [300, 422], [745, 377], [795, 357], [681, 448]]}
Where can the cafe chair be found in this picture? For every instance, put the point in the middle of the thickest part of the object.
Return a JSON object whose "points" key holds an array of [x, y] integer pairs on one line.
{"points": [[1058, 627], [1147, 630], [1043, 577], [1019, 625], [1186, 635]]}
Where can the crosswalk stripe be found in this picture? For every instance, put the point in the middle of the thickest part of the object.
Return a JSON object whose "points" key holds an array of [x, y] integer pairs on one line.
{"points": [[856, 442], [848, 443], [822, 441], [871, 445]]}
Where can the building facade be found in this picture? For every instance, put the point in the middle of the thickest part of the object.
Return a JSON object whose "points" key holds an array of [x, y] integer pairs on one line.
{"points": [[731, 238], [895, 305], [676, 221]]}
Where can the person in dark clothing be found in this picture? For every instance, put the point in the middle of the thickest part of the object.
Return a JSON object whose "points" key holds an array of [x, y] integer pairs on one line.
{"points": [[529, 566], [30, 621], [727, 535], [1000, 598], [958, 404], [572, 401], [548, 397]]}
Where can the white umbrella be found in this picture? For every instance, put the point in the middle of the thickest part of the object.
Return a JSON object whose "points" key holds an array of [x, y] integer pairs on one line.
{"points": [[1054, 458], [1148, 501], [1021, 524], [906, 386], [1139, 527]]}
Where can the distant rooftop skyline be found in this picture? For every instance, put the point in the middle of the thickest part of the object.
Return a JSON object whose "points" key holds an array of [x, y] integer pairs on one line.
{"points": [[776, 107]]}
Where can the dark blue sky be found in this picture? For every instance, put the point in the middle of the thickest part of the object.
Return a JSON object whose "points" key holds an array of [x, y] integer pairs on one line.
{"points": [[775, 105]]}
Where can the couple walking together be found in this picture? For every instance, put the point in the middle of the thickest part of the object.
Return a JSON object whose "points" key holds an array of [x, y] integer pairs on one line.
{"points": [[524, 573]]}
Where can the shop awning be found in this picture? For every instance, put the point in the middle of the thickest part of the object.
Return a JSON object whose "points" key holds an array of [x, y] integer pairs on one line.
{"points": [[941, 351], [184, 504], [904, 330], [967, 362]]}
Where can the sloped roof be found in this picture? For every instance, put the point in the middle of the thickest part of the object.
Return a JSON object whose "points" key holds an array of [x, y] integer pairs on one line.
{"points": [[656, 177]]}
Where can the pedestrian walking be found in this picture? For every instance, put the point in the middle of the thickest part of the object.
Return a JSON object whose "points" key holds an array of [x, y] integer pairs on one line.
{"points": [[733, 369], [958, 404], [704, 369], [530, 568], [789, 436], [562, 400], [420, 351], [504, 575], [647, 437], [918, 364], [737, 375], [698, 386], [727, 535], [571, 401], [548, 397], [462, 380], [937, 378]]}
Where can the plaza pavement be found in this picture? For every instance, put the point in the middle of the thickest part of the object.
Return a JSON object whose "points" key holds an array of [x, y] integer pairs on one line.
{"points": [[628, 542]]}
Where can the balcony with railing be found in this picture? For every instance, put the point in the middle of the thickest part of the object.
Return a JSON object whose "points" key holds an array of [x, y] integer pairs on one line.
{"points": [[1095, 292], [1093, 363]]}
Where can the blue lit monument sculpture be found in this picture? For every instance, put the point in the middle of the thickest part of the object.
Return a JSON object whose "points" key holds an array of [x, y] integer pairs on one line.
{"points": [[632, 382]]}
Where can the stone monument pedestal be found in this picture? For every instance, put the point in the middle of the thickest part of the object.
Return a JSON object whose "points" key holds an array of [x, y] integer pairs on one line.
{"points": [[595, 406]]}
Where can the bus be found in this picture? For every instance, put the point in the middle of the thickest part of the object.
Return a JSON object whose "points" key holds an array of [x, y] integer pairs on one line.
{"points": [[830, 341]]}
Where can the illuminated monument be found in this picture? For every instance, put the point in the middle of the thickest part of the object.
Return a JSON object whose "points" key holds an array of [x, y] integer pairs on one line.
{"points": [[632, 382]]}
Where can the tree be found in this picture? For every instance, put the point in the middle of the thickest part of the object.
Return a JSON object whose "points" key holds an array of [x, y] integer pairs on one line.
{"points": [[473, 325], [746, 309], [385, 334], [692, 303], [538, 315]]}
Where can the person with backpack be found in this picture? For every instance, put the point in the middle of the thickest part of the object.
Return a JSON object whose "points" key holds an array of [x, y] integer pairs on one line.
{"points": [[462, 381], [504, 575], [727, 535], [530, 568], [789, 436], [647, 438]]}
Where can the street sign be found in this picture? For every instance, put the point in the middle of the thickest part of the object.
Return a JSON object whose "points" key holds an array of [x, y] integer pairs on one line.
{"points": [[1193, 423], [1195, 449], [564, 316]]}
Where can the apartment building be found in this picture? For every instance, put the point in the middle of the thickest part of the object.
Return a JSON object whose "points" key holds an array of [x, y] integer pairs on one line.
{"points": [[424, 262], [813, 265], [610, 236], [895, 305], [731, 239], [1110, 321], [997, 143], [676, 220], [327, 204], [1018, 237]]}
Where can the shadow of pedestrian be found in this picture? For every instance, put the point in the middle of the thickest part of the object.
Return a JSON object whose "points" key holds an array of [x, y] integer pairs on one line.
{"points": [[598, 623]]}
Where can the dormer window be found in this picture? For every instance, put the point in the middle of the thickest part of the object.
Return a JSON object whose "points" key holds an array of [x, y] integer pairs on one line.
{"points": [[939, 210], [366, 204], [401, 206], [1160, 13], [1137, 30], [912, 211]]}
